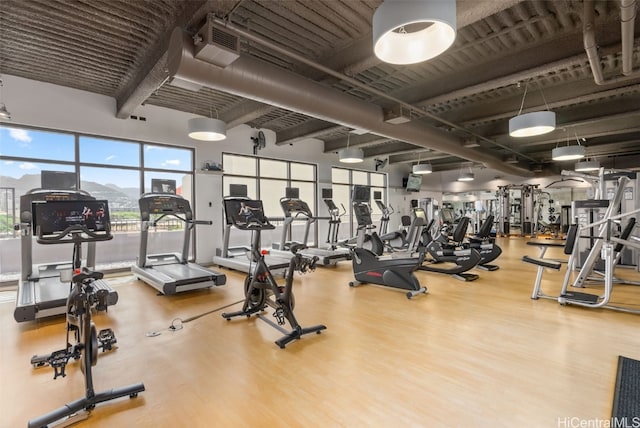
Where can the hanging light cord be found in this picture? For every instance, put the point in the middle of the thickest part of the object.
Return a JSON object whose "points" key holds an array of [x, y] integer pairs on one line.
{"points": [[526, 85], [544, 98]]}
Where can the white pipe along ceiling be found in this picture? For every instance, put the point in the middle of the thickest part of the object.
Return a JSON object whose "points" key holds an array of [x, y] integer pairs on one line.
{"points": [[259, 81]]}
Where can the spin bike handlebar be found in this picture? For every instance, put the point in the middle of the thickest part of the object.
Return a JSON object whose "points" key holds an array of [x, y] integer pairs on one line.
{"points": [[76, 233]]}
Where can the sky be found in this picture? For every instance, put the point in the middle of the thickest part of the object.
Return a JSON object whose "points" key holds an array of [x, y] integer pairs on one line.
{"points": [[43, 145]]}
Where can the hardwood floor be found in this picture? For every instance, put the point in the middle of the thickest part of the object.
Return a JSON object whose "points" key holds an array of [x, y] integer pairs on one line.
{"points": [[476, 354]]}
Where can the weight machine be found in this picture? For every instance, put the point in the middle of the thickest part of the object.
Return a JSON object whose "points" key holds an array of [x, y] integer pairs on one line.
{"points": [[606, 248], [516, 207]]}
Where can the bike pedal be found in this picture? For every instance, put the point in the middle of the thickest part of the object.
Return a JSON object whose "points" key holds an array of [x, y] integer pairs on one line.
{"points": [[58, 360], [107, 338]]}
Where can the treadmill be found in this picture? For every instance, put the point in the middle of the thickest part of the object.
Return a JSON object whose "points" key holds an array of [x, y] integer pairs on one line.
{"points": [[239, 258], [296, 209], [43, 288], [171, 273]]}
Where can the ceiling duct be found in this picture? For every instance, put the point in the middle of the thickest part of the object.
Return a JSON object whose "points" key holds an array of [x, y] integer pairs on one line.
{"points": [[215, 45], [250, 78], [397, 115]]}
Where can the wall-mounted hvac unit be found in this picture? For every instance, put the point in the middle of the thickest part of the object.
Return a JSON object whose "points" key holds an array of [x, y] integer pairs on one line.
{"points": [[215, 45]]}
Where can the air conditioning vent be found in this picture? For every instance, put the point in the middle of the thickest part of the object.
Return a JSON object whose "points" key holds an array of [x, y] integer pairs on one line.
{"points": [[216, 45], [222, 38]]}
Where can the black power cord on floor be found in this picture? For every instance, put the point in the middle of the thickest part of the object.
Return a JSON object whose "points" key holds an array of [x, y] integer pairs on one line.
{"points": [[178, 323]]}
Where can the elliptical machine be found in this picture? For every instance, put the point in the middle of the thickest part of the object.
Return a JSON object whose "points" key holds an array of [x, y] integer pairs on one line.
{"points": [[260, 287], [68, 221]]}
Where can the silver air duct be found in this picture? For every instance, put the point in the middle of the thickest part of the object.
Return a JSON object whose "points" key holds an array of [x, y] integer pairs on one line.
{"points": [[259, 81]]}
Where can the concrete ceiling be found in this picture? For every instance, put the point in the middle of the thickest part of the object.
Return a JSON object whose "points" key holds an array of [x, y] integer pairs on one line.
{"points": [[460, 101]]}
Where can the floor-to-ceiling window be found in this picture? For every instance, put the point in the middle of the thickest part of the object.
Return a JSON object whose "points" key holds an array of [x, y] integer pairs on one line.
{"points": [[267, 179], [113, 169]]}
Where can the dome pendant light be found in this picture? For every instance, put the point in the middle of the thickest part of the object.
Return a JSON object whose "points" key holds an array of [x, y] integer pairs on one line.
{"points": [[565, 153], [534, 123], [350, 154], [466, 176], [422, 169], [207, 128], [412, 31], [588, 165]]}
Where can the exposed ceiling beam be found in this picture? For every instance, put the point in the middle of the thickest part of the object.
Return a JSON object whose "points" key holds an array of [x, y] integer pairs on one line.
{"points": [[393, 148], [152, 71], [310, 129], [354, 141], [245, 112], [411, 158]]}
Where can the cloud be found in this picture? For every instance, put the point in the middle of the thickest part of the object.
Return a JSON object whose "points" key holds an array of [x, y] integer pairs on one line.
{"points": [[27, 165], [148, 147], [174, 162], [20, 135], [110, 157]]}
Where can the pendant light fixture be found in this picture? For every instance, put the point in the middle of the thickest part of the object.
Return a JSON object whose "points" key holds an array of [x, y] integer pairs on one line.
{"points": [[350, 154], [534, 123], [412, 31], [466, 175], [568, 152], [207, 128], [422, 169], [4, 113], [587, 166]]}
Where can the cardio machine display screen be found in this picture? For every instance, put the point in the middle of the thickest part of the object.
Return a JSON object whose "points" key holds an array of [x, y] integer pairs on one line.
{"points": [[242, 212], [363, 214], [294, 206], [55, 216]]}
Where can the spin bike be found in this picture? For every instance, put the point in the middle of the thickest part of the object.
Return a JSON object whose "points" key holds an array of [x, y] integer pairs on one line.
{"points": [[84, 295], [260, 287]]}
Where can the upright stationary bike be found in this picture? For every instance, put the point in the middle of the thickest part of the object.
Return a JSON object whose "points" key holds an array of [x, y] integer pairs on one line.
{"points": [[260, 287], [78, 222]]}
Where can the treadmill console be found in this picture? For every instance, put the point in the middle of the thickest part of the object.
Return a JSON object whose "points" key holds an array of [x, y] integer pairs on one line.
{"points": [[167, 204], [295, 206]]}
